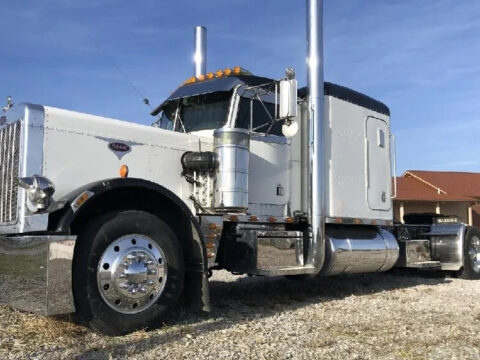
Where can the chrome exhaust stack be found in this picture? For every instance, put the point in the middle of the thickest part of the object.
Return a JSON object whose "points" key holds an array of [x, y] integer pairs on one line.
{"points": [[316, 133], [200, 54]]}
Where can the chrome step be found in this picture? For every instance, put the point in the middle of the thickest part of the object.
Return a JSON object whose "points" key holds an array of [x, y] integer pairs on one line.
{"points": [[425, 265], [272, 248]]}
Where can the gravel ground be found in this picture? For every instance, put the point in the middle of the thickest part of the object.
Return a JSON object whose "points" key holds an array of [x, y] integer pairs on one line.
{"points": [[399, 315]]}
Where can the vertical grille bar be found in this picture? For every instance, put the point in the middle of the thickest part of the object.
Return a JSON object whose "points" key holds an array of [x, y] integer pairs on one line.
{"points": [[6, 179], [9, 163]]}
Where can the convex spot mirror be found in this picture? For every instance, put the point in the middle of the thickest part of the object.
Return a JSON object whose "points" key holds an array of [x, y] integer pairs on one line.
{"points": [[290, 128]]}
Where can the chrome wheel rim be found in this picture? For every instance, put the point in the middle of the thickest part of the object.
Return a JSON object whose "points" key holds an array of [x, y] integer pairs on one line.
{"points": [[474, 253], [132, 273]]}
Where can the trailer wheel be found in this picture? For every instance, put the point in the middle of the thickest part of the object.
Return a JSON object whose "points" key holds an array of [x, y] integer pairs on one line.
{"points": [[128, 272], [471, 257]]}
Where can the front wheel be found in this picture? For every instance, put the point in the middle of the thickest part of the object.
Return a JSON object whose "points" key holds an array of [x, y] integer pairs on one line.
{"points": [[471, 255], [128, 272]]}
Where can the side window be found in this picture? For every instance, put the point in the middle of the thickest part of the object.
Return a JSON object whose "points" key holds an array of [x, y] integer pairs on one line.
{"points": [[165, 122], [260, 119]]}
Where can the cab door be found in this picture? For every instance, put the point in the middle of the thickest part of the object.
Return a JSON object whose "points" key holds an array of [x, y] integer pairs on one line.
{"points": [[378, 164]]}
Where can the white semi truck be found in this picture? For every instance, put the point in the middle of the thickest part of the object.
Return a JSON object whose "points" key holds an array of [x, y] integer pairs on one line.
{"points": [[120, 222]]}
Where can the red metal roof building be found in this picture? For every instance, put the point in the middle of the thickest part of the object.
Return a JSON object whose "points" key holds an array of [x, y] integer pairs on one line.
{"points": [[442, 192]]}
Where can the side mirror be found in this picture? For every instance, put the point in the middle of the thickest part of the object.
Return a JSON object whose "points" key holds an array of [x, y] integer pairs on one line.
{"points": [[288, 103], [288, 96]]}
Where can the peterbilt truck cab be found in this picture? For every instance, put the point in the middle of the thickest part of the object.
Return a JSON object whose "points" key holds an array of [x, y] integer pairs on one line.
{"points": [[121, 222]]}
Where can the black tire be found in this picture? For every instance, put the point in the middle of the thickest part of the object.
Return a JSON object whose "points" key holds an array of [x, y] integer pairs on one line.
{"points": [[471, 266], [92, 242], [300, 277]]}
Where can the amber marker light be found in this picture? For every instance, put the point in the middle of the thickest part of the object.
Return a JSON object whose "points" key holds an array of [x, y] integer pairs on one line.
{"points": [[201, 77], [219, 73], [237, 70], [81, 199], [227, 71], [190, 80], [272, 219], [124, 171], [289, 220], [253, 218], [212, 226], [210, 76]]}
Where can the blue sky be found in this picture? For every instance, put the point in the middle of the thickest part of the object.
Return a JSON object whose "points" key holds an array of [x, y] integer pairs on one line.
{"points": [[420, 57]]}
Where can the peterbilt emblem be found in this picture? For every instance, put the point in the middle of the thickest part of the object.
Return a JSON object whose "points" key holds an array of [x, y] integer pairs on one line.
{"points": [[3, 120], [116, 146], [120, 149]]}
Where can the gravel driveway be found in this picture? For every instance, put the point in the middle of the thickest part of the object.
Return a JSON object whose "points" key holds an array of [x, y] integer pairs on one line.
{"points": [[399, 315]]}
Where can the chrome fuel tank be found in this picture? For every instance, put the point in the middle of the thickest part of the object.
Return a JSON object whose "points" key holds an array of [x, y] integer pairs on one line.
{"points": [[355, 249]]}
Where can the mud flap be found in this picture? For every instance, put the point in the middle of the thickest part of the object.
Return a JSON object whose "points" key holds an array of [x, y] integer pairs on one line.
{"points": [[196, 291]]}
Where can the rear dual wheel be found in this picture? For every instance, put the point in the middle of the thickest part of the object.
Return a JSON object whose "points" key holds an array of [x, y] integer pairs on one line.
{"points": [[128, 272], [471, 255]]}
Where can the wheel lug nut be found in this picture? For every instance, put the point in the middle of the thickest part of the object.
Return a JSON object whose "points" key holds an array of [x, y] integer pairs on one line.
{"points": [[143, 290], [149, 262], [152, 272], [150, 282]]}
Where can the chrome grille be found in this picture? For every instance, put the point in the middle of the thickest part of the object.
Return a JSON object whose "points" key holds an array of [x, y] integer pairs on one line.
{"points": [[9, 157]]}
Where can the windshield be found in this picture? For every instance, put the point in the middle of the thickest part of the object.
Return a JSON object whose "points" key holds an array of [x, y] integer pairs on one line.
{"points": [[202, 112]]}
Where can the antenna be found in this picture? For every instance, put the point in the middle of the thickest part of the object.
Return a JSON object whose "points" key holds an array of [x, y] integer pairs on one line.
{"points": [[145, 100], [130, 82]]}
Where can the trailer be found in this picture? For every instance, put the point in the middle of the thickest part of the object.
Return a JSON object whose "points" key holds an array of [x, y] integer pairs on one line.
{"points": [[120, 222]]}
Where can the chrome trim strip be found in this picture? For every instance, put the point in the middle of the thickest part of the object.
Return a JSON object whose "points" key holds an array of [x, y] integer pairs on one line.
{"points": [[36, 273], [394, 163], [353, 221], [254, 219]]}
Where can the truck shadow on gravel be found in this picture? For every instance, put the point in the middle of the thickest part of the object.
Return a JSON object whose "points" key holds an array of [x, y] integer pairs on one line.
{"points": [[253, 298]]}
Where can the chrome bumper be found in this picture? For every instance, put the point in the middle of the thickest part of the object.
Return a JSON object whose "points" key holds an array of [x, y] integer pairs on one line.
{"points": [[36, 273]]}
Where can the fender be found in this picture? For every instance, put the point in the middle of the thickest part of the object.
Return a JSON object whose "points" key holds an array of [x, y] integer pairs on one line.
{"points": [[66, 211]]}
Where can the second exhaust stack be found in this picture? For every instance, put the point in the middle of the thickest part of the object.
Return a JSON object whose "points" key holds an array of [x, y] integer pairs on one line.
{"points": [[200, 54], [316, 158]]}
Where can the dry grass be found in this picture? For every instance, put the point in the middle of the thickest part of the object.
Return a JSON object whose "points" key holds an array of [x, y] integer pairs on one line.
{"points": [[385, 316]]}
